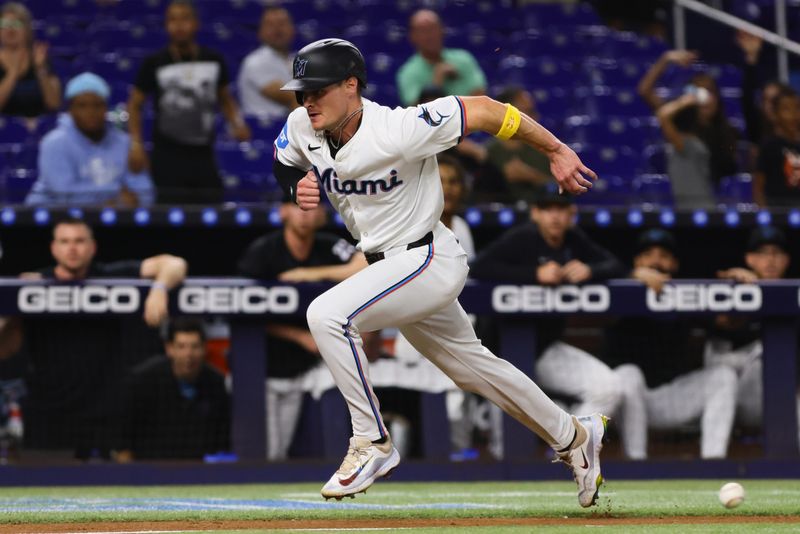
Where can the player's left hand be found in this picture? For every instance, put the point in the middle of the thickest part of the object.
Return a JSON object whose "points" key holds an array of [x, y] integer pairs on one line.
{"points": [[570, 173], [155, 307], [576, 272]]}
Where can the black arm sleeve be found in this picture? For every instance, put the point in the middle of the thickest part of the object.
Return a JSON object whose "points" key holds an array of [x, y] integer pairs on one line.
{"points": [[287, 177]]}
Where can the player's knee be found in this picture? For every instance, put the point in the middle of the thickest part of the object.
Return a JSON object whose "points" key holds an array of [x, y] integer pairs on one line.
{"points": [[631, 377], [316, 315], [723, 378]]}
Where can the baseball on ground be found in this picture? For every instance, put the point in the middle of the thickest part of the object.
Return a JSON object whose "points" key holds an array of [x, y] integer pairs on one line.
{"points": [[731, 495]]}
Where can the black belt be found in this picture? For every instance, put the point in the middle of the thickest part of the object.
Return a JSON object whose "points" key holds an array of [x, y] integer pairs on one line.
{"points": [[427, 239]]}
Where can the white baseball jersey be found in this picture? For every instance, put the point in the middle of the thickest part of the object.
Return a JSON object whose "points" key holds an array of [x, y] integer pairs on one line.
{"points": [[385, 181]]}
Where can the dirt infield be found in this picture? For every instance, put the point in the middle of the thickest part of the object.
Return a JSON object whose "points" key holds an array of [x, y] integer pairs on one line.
{"points": [[144, 526]]}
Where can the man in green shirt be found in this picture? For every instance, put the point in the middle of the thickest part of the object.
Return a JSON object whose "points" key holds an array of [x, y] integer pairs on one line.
{"points": [[453, 70], [525, 170]]}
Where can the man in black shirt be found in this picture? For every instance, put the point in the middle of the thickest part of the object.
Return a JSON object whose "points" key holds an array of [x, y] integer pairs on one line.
{"points": [[735, 341], [187, 81], [551, 251], [665, 384], [175, 406], [777, 178], [75, 364], [298, 253]]}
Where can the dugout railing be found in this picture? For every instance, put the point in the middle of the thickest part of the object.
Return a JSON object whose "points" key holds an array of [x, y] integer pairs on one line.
{"points": [[248, 304]]}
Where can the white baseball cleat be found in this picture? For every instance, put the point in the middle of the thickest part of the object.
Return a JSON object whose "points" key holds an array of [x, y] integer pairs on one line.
{"points": [[584, 459], [364, 463]]}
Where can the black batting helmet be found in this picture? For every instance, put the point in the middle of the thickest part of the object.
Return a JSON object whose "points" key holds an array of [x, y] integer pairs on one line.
{"points": [[325, 62]]}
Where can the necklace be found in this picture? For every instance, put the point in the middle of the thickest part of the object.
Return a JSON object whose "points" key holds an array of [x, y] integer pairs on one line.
{"points": [[340, 127]]}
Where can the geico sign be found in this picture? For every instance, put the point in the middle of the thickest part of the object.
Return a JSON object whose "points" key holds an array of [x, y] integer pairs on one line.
{"points": [[249, 299], [87, 299], [510, 299], [705, 297]]}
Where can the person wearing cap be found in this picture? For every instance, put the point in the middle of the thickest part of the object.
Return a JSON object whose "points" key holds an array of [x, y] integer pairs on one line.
{"points": [[187, 83], [735, 340], [551, 251], [453, 70], [297, 253], [83, 161], [665, 383]]}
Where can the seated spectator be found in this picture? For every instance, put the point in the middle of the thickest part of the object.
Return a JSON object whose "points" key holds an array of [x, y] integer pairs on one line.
{"points": [[265, 70], [713, 129], [526, 170], [84, 161], [665, 385], [175, 406], [551, 251], [777, 178], [75, 364], [28, 86], [297, 253], [452, 70], [187, 82], [735, 341]]}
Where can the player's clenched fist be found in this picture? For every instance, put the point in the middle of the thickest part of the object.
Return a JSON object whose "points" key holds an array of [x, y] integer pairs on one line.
{"points": [[308, 192]]}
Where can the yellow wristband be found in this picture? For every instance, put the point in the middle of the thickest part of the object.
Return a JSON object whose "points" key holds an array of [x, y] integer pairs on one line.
{"points": [[511, 123]]}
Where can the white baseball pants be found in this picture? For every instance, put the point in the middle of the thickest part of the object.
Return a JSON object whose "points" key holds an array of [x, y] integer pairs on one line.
{"points": [[416, 290]]}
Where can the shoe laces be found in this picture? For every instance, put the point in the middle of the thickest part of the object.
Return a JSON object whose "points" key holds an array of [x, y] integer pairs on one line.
{"points": [[353, 457]]}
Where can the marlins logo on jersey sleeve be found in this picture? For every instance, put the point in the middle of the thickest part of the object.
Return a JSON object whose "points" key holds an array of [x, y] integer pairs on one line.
{"points": [[289, 144], [429, 128]]}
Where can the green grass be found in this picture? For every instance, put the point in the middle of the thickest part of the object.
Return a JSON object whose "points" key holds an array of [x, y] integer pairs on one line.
{"points": [[490, 499]]}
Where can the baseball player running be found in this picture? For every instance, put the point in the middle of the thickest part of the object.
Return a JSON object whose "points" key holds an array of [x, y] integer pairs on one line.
{"points": [[378, 168]]}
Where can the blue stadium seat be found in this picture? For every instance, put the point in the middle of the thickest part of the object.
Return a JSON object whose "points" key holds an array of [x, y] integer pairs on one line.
{"points": [[611, 130], [608, 190], [542, 71], [128, 9], [653, 189], [609, 160], [111, 38], [17, 182], [13, 131], [244, 158], [610, 72], [553, 102], [655, 157], [601, 100], [541, 15], [736, 189]]}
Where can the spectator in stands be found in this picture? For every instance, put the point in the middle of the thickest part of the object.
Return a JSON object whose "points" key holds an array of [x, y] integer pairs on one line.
{"points": [[175, 406], [453, 70], [735, 341], [759, 114], [664, 383], [777, 178], [718, 136], [689, 160], [84, 161], [526, 170], [551, 251], [266, 69], [75, 364], [28, 86], [187, 82], [297, 253]]}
